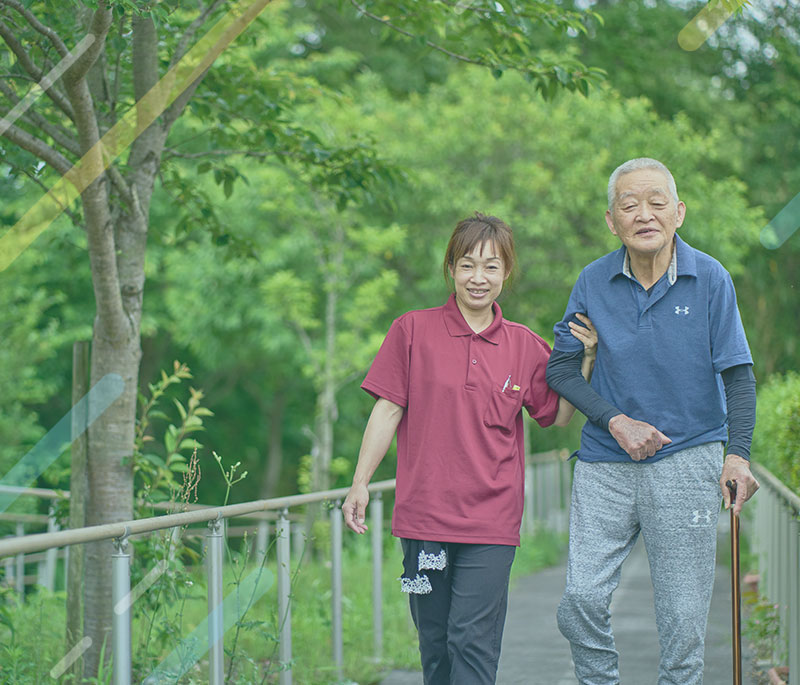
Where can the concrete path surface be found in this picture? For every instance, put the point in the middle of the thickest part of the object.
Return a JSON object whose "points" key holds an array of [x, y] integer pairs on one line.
{"points": [[535, 653]]}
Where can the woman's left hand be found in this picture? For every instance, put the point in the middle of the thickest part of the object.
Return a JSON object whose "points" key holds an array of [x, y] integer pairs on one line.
{"points": [[587, 334]]}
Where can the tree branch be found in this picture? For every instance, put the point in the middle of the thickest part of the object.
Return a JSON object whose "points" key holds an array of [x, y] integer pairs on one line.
{"points": [[38, 148], [307, 345], [119, 182], [38, 26], [430, 44], [32, 70], [188, 35], [74, 217], [59, 134], [173, 152], [98, 27], [174, 111], [353, 375]]}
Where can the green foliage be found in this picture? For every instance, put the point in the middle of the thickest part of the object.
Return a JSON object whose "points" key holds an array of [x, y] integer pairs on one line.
{"points": [[762, 627], [24, 625], [229, 476], [544, 168], [494, 35], [776, 440], [156, 474]]}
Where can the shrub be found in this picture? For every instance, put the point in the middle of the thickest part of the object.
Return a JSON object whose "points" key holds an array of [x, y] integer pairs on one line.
{"points": [[776, 441]]}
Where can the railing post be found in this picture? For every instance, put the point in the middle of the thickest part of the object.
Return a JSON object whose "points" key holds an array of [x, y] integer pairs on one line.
{"points": [[8, 565], [540, 494], [262, 540], [282, 535], [216, 655], [51, 556], [336, 587], [19, 576], [794, 594], [784, 576], [298, 542], [566, 493], [120, 599], [529, 515], [377, 574]]}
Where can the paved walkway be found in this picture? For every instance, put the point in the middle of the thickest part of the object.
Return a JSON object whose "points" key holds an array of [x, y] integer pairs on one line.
{"points": [[535, 653]]}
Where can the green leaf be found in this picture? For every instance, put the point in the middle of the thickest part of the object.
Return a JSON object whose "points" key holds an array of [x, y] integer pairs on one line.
{"points": [[190, 443], [181, 410], [154, 459], [170, 441]]}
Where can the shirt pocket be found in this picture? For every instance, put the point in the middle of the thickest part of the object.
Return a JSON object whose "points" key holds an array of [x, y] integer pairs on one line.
{"points": [[502, 409]]}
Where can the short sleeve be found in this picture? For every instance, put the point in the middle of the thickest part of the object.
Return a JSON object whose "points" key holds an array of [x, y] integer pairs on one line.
{"points": [[728, 340], [388, 376], [540, 400], [564, 340]]}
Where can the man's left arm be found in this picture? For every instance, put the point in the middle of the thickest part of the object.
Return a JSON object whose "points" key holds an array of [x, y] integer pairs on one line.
{"points": [[740, 398]]}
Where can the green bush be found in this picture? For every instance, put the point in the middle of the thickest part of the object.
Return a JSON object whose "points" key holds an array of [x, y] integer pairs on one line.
{"points": [[776, 441]]}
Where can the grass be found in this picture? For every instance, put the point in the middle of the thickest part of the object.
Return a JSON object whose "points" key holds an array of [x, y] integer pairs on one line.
{"points": [[39, 622]]}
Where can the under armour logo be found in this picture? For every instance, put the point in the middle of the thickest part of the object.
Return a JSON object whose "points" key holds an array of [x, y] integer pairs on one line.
{"points": [[681, 310], [697, 516]]}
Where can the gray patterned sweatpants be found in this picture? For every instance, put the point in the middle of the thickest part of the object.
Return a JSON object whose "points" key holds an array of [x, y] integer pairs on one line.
{"points": [[674, 503]]}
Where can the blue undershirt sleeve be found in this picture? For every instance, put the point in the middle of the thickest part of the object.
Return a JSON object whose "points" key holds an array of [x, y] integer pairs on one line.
{"points": [[740, 398], [564, 376]]}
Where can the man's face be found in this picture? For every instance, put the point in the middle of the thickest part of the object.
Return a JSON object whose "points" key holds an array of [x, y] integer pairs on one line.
{"points": [[645, 216]]}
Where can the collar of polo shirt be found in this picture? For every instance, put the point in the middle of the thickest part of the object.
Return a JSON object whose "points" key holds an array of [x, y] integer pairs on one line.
{"points": [[457, 326], [686, 262]]}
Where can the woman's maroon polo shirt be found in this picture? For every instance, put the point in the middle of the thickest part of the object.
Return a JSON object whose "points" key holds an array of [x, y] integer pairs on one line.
{"points": [[460, 450]]}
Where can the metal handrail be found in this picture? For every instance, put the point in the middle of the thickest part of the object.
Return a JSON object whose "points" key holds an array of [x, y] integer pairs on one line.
{"points": [[547, 483], [766, 476], [107, 531], [777, 543]]}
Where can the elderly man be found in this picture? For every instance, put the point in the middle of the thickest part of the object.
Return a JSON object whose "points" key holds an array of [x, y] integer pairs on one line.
{"points": [[672, 383]]}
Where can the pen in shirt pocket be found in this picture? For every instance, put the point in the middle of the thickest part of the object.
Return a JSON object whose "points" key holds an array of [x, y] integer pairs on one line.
{"points": [[505, 385]]}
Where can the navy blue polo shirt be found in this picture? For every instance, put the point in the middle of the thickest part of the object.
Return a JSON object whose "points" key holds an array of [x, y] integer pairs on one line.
{"points": [[659, 355]]}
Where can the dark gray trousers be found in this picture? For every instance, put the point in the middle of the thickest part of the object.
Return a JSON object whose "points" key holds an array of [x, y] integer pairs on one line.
{"points": [[460, 623]]}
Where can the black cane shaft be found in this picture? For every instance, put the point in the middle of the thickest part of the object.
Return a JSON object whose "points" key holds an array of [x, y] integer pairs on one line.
{"points": [[736, 604]]}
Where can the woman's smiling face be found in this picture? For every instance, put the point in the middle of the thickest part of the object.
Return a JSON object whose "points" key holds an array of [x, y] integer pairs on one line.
{"points": [[478, 278]]}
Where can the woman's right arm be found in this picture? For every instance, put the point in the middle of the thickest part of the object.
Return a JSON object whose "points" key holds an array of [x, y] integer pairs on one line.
{"points": [[378, 434]]}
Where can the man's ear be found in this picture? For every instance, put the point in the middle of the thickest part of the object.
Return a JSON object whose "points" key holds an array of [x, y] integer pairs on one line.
{"points": [[610, 221], [681, 214]]}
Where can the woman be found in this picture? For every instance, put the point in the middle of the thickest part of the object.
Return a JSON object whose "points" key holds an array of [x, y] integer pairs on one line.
{"points": [[451, 381]]}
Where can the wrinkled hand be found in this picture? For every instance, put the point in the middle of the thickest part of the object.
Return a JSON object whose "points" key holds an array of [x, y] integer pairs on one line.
{"points": [[639, 439], [354, 508], [737, 468], [587, 335]]}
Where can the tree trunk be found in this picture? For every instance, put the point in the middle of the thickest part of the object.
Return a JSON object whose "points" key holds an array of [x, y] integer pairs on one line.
{"points": [[117, 254], [78, 488], [272, 473], [326, 401]]}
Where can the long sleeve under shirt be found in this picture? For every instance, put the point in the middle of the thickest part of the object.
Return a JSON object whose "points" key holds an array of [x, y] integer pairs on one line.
{"points": [[564, 376]]}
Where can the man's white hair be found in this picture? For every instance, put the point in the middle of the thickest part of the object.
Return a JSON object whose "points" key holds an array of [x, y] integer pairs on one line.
{"points": [[636, 165]]}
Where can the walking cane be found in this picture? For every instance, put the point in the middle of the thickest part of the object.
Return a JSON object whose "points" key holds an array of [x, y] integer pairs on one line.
{"points": [[736, 590]]}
